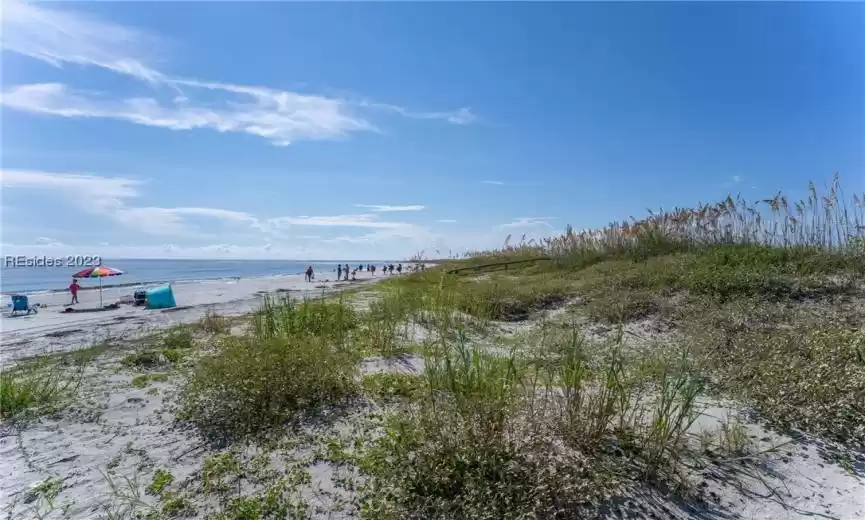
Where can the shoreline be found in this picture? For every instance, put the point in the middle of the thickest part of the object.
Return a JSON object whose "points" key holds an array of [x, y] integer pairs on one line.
{"points": [[178, 281], [37, 292], [52, 331]]}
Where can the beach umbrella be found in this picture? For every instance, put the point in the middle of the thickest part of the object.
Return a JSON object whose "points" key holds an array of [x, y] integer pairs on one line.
{"points": [[100, 271]]}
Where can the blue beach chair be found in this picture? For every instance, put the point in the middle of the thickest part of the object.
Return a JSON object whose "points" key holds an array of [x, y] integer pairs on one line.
{"points": [[20, 304]]}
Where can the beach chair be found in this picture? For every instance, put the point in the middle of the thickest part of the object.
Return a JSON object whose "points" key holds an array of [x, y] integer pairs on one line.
{"points": [[20, 304]]}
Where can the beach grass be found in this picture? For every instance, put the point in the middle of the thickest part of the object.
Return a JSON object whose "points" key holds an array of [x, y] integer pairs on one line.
{"points": [[33, 390], [479, 442], [293, 361], [213, 323]]}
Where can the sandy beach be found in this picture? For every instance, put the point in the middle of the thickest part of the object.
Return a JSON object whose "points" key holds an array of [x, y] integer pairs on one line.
{"points": [[51, 330]]}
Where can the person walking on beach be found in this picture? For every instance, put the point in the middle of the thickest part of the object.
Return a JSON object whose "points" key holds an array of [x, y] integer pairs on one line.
{"points": [[338, 271], [73, 289], [372, 269], [399, 269], [309, 274], [345, 270]]}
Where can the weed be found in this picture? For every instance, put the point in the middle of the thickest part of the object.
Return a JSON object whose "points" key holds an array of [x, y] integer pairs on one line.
{"points": [[127, 500], [161, 479], [35, 391], [733, 437], [391, 386], [173, 355], [175, 505], [287, 318], [43, 496], [177, 338], [144, 359], [213, 323], [139, 381], [142, 380]]}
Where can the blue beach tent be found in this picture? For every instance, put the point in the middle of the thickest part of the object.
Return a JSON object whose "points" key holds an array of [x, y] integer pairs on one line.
{"points": [[161, 297]]}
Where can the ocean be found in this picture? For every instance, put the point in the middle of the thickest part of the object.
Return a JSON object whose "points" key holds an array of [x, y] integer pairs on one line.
{"points": [[40, 279]]}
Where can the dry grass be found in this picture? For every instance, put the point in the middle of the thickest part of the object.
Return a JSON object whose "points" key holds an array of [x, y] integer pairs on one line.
{"points": [[829, 223]]}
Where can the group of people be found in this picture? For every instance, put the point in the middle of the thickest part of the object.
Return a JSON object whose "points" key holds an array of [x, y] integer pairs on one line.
{"points": [[342, 271]]}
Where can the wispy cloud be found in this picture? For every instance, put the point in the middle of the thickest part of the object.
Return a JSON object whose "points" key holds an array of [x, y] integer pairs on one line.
{"points": [[110, 196], [528, 222], [362, 220], [379, 208], [733, 181], [60, 36], [447, 221], [462, 116], [493, 183], [279, 119], [63, 37], [95, 185]]}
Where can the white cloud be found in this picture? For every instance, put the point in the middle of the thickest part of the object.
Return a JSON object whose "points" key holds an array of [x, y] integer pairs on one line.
{"points": [[395, 243], [737, 179], [109, 196], [94, 185], [232, 232], [447, 221], [239, 217], [528, 222], [493, 183], [362, 220], [106, 196], [462, 116], [46, 241], [281, 117], [378, 208], [61, 36]]}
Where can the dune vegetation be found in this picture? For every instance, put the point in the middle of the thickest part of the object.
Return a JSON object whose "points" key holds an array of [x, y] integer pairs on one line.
{"points": [[561, 378]]}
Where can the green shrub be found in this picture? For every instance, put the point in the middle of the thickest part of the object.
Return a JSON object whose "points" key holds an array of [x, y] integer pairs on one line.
{"points": [[250, 386], [37, 391], [446, 463], [143, 359], [390, 386], [172, 355], [811, 376], [177, 338]]}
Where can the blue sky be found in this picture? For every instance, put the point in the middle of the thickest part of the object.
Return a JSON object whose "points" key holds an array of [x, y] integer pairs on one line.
{"points": [[332, 131]]}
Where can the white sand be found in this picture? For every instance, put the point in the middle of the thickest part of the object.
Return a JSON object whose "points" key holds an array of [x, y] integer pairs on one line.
{"points": [[51, 330]]}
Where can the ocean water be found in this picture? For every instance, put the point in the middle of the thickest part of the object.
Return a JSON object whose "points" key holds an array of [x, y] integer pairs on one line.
{"points": [[38, 279]]}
